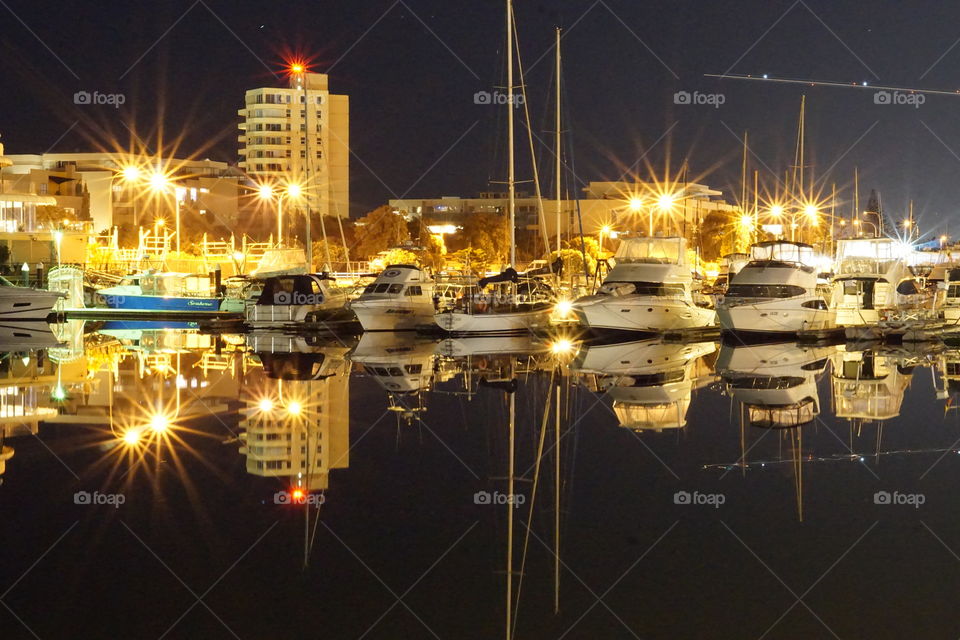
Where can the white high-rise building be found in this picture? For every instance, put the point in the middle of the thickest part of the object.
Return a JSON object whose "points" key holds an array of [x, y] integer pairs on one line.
{"points": [[299, 134]]}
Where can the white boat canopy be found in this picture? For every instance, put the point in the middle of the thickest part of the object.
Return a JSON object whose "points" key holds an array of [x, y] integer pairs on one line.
{"points": [[652, 251], [784, 252]]}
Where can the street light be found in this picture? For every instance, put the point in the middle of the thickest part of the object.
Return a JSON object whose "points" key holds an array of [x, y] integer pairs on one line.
{"points": [[604, 230], [160, 182], [266, 192]]}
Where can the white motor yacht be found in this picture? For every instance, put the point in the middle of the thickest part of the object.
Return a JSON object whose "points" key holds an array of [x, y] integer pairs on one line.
{"points": [[25, 303], [776, 292], [872, 280], [649, 290], [400, 299]]}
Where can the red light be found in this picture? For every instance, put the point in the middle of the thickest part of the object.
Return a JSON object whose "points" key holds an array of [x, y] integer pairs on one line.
{"points": [[298, 495]]}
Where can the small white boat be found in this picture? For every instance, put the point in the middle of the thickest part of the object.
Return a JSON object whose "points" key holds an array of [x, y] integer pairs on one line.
{"points": [[776, 292], [400, 299], [649, 290], [291, 300], [24, 303], [519, 305]]}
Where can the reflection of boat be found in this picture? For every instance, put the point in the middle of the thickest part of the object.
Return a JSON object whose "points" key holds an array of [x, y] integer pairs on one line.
{"points": [[775, 383], [399, 363], [649, 290], [868, 386], [775, 293], [296, 357], [473, 346], [24, 303], [651, 382], [292, 300], [162, 292], [18, 336], [400, 299]]}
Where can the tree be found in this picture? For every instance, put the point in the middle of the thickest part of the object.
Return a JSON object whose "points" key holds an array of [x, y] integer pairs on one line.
{"points": [[379, 230], [486, 233], [54, 217]]}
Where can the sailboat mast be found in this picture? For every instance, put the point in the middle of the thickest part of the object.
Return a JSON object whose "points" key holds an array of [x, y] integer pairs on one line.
{"points": [[511, 187], [557, 146]]}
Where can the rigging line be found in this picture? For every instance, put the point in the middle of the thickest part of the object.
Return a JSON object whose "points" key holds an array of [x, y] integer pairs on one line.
{"points": [[533, 498], [831, 83]]}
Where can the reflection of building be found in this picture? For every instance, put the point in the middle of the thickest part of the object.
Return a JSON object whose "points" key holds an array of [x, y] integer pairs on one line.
{"points": [[298, 428], [868, 386], [25, 382], [275, 145], [651, 382]]}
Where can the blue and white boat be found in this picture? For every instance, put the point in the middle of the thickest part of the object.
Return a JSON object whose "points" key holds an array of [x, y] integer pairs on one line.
{"points": [[162, 292]]}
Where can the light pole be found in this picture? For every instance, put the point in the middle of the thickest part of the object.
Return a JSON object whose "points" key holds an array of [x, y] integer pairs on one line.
{"points": [[160, 183], [266, 192]]}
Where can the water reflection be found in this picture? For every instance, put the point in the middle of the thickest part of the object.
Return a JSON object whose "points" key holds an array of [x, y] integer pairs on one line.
{"points": [[509, 414]]}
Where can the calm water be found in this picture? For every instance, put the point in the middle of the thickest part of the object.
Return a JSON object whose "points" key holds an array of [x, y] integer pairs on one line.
{"points": [[705, 491]]}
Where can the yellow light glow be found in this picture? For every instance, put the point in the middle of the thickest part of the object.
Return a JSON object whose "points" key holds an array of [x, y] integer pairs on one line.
{"points": [[238, 256], [561, 346], [294, 408], [265, 191], [132, 436], [294, 190], [130, 173], [265, 405], [665, 201], [636, 204], [811, 210], [746, 221], [943, 238], [563, 308], [158, 181], [159, 222], [159, 423], [776, 210], [296, 68], [907, 223]]}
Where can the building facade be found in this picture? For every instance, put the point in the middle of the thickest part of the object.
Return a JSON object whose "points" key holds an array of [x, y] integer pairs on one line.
{"points": [[299, 134], [93, 186], [619, 206]]}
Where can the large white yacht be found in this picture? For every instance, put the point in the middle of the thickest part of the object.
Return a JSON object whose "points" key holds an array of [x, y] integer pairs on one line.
{"points": [[650, 289], [776, 292], [872, 279], [400, 299]]}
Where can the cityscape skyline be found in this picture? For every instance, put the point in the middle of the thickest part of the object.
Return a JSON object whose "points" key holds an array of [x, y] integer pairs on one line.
{"points": [[413, 72]]}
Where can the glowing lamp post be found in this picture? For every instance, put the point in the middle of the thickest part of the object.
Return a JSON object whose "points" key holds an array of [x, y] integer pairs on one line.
{"points": [[664, 204], [266, 192], [160, 183]]}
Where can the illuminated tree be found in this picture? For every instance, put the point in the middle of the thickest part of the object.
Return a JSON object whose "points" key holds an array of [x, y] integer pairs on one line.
{"points": [[379, 230]]}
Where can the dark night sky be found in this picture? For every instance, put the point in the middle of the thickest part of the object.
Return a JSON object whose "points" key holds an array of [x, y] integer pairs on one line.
{"points": [[411, 69]]}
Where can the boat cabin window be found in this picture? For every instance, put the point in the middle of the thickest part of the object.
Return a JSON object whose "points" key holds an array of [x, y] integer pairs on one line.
{"points": [[764, 291], [413, 368], [381, 288], [908, 288], [642, 288], [953, 291], [414, 290]]}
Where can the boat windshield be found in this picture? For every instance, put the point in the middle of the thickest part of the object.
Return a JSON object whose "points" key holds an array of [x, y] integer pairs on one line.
{"points": [[622, 288], [651, 251], [764, 291]]}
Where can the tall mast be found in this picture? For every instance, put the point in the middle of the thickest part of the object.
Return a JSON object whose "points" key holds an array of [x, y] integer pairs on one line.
{"points": [[557, 146], [511, 187]]}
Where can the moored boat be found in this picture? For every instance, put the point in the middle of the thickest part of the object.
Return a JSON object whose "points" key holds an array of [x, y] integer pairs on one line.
{"points": [[400, 299]]}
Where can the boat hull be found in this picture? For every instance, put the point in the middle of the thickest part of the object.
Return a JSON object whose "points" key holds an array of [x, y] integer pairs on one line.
{"points": [[392, 315], [641, 313], [493, 323], [161, 303], [780, 316], [27, 304]]}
